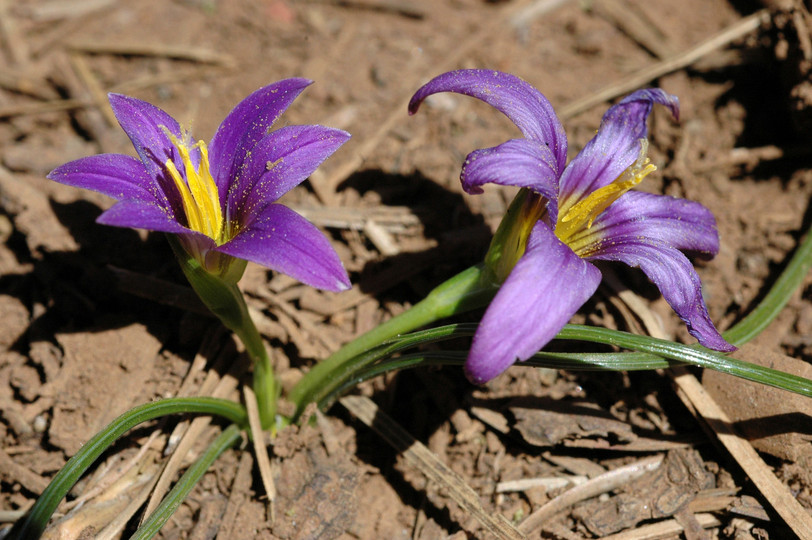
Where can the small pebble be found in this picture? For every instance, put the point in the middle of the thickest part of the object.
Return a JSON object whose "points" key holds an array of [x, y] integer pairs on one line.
{"points": [[40, 424]]}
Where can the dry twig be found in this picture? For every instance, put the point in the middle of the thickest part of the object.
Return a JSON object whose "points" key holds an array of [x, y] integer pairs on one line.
{"points": [[548, 483], [663, 529], [239, 493], [595, 486], [427, 462], [10, 36], [704, 407], [97, 94], [639, 28], [26, 83], [533, 10], [64, 9], [12, 472], [639, 78], [694, 395], [260, 448], [366, 147], [114, 528], [217, 387], [161, 50], [397, 7]]}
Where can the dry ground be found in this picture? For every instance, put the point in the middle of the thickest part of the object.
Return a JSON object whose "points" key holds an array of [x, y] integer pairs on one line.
{"points": [[97, 320]]}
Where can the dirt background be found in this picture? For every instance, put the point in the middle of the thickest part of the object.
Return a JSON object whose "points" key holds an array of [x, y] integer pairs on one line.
{"points": [[96, 320]]}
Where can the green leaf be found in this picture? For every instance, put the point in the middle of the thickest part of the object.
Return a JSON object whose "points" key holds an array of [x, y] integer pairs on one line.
{"points": [[37, 518]]}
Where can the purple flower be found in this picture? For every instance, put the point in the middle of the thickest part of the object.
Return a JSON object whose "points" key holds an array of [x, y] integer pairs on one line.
{"points": [[571, 214], [221, 199]]}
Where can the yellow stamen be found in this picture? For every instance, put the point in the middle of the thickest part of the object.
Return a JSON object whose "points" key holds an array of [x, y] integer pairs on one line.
{"points": [[584, 212], [199, 195]]}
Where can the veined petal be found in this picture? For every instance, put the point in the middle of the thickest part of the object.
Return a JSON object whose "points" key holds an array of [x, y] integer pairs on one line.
{"points": [[115, 175], [518, 162], [280, 161], [677, 280], [615, 147], [144, 124], [141, 215], [524, 105], [542, 293], [654, 219], [245, 125], [284, 241]]}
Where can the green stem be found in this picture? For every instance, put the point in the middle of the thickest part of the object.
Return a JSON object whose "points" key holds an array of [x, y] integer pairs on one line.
{"points": [[226, 301], [467, 290], [37, 519], [774, 301], [170, 504], [266, 389], [612, 361]]}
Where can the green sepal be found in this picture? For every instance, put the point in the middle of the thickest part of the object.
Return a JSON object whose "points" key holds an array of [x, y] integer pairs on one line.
{"points": [[223, 298], [509, 242]]}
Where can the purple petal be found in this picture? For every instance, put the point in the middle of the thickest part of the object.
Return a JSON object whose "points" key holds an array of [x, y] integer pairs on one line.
{"points": [[516, 99], [143, 123], [616, 145], [284, 241], [542, 292], [677, 280], [280, 161], [518, 162], [115, 175], [246, 124], [141, 215], [660, 220]]}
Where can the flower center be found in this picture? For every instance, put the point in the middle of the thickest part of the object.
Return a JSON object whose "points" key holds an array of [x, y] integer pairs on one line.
{"points": [[581, 215], [198, 192]]}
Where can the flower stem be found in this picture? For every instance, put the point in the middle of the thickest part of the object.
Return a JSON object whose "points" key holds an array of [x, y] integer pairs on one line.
{"points": [[225, 300], [467, 290], [265, 384]]}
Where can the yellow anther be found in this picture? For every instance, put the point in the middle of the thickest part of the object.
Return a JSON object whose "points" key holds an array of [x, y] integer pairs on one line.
{"points": [[583, 213], [199, 195]]}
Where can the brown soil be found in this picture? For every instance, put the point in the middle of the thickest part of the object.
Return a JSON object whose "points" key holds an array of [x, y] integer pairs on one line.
{"points": [[97, 320]]}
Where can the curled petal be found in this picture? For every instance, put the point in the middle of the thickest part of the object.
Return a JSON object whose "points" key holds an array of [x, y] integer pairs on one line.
{"points": [[115, 175], [246, 124], [545, 289], [641, 101], [660, 220], [524, 105], [678, 282], [144, 124], [141, 215], [284, 241], [615, 147], [518, 162], [280, 161]]}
